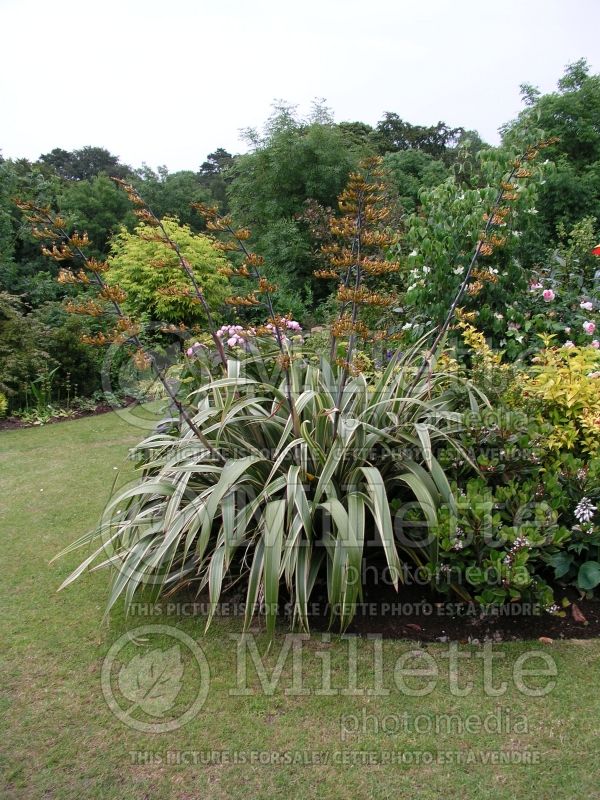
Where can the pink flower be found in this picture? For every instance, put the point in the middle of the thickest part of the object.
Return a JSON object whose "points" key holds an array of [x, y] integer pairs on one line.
{"points": [[568, 344], [535, 285], [567, 330], [548, 295], [587, 306], [596, 343], [589, 327], [191, 351], [293, 325]]}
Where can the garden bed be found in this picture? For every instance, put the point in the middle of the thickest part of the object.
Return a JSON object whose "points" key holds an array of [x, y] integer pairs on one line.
{"points": [[417, 615], [14, 423], [411, 614]]}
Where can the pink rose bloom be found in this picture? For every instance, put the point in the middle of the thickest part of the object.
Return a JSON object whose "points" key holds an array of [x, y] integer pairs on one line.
{"points": [[587, 306], [548, 295], [596, 343], [535, 285], [589, 327], [568, 344]]}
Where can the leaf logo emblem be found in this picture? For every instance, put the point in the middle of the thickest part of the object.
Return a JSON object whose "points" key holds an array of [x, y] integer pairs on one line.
{"points": [[152, 681]]}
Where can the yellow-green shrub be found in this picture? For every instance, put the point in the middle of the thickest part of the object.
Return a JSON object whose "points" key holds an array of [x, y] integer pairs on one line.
{"points": [[563, 386], [148, 270]]}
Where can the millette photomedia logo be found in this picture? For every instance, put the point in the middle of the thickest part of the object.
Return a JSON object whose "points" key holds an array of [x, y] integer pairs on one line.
{"points": [[155, 678]]}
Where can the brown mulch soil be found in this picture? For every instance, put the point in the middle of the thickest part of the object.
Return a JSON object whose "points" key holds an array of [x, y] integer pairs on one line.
{"points": [[413, 614]]}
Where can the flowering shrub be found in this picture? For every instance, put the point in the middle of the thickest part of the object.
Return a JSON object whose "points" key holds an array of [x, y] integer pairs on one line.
{"points": [[575, 485], [492, 548], [563, 299]]}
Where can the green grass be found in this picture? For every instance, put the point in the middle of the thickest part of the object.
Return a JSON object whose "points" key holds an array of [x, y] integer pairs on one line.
{"points": [[60, 740]]}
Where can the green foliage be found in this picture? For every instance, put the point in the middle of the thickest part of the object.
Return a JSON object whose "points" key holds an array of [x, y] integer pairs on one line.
{"points": [[214, 176], [575, 483], [142, 266], [172, 194], [412, 171], [538, 449], [3, 405], [23, 356], [293, 161], [572, 114], [394, 134], [492, 547], [78, 364], [568, 271], [443, 235], [84, 164], [98, 207]]}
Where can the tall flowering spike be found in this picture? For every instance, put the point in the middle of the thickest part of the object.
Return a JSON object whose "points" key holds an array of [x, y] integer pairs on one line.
{"points": [[355, 254], [490, 239], [234, 241]]}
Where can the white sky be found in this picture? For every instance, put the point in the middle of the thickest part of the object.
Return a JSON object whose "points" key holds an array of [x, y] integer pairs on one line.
{"points": [[168, 81]]}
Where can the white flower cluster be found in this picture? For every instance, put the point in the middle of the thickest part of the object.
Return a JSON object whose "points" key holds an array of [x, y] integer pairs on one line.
{"points": [[585, 510], [458, 539], [520, 543]]}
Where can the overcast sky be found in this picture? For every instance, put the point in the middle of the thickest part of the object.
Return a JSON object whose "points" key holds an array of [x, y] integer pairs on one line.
{"points": [[167, 82]]}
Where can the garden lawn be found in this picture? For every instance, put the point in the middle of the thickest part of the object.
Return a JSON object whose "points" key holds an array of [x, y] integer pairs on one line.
{"points": [[60, 739]]}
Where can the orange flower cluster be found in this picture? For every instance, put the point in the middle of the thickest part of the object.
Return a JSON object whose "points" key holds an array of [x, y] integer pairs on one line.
{"points": [[112, 293], [67, 276], [90, 308], [61, 252], [356, 256], [509, 192], [61, 246], [363, 296], [250, 264], [484, 275], [345, 326], [243, 300]]}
